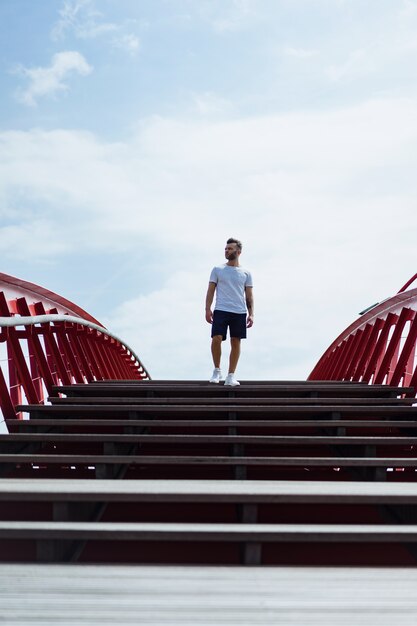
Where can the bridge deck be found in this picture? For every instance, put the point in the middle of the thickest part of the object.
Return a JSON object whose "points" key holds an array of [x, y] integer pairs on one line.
{"points": [[266, 473], [94, 595]]}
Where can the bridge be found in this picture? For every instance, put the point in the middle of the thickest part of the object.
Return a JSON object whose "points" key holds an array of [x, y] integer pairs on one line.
{"points": [[271, 502]]}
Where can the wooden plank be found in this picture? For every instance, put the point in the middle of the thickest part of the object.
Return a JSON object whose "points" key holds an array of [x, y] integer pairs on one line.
{"points": [[152, 531], [118, 459], [244, 389], [272, 440], [225, 401], [189, 384], [262, 491], [203, 381], [402, 412], [127, 595], [211, 423]]}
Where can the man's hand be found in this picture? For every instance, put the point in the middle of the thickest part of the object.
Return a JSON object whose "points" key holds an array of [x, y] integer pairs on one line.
{"points": [[209, 301], [249, 305]]}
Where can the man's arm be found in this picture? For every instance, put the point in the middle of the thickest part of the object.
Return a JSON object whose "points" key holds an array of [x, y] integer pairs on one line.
{"points": [[249, 305], [209, 301]]}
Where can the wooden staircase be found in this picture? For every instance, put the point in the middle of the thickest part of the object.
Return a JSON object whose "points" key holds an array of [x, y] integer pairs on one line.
{"points": [[175, 472]]}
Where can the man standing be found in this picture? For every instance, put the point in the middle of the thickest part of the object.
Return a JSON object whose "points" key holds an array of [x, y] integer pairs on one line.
{"points": [[234, 309]]}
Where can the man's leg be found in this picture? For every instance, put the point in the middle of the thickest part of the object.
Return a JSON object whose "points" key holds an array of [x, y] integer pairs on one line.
{"points": [[234, 354], [237, 332], [216, 350]]}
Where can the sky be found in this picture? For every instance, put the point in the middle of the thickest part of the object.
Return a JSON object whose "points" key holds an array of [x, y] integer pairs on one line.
{"points": [[136, 136]]}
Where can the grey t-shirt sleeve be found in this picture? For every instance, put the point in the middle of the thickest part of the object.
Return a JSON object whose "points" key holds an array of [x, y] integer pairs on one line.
{"points": [[213, 276]]}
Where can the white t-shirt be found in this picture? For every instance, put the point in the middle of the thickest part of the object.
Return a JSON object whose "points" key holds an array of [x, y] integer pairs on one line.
{"points": [[230, 287]]}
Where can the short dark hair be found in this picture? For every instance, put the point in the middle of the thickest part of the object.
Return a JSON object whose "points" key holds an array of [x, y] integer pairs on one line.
{"points": [[236, 241]]}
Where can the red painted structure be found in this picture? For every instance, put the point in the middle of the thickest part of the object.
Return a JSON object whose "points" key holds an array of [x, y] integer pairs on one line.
{"points": [[379, 347], [53, 348]]}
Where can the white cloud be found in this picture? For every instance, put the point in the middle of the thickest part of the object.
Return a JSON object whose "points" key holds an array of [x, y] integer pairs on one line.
{"points": [[324, 202], [227, 15], [81, 18], [129, 43], [299, 53], [169, 317], [48, 81], [359, 62], [209, 103], [34, 238], [182, 172], [409, 9], [383, 49], [68, 16]]}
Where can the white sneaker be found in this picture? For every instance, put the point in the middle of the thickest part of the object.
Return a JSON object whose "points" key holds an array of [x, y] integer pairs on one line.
{"points": [[231, 381], [217, 376]]}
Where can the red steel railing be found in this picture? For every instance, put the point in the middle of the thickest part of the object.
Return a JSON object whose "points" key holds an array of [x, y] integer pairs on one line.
{"points": [[379, 347], [45, 341]]}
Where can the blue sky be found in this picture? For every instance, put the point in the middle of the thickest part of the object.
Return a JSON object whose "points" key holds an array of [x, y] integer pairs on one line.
{"points": [[137, 135]]}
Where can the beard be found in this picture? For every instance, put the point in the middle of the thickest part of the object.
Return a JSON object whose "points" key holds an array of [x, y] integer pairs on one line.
{"points": [[231, 256]]}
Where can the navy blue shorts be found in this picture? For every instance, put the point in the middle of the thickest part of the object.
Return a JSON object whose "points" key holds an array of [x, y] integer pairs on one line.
{"points": [[236, 322]]}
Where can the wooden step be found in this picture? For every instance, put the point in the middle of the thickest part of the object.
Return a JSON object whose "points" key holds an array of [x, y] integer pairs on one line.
{"points": [[194, 389], [215, 491], [195, 440], [77, 425], [151, 541], [244, 461], [58, 539], [125, 531], [136, 410], [93, 595], [261, 401]]}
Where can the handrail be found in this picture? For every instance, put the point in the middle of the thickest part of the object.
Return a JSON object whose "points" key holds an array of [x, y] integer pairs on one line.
{"points": [[47, 341], [408, 283], [21, 320], [21, 287], [377, 348]]}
